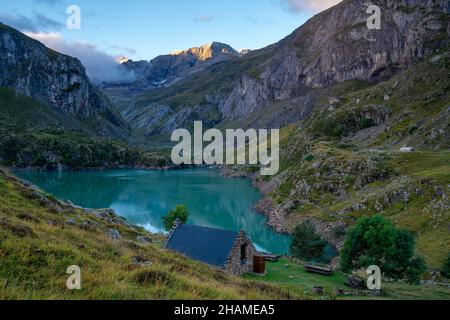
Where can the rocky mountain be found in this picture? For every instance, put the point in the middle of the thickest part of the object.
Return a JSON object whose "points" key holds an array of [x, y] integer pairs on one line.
{"points": [[166, 70], [58, 81], [276, 85]]}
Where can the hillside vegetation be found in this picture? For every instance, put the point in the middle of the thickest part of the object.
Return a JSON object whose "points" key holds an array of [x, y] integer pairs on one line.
{"points": [[41, 237], [344, 161], [32, 135]]}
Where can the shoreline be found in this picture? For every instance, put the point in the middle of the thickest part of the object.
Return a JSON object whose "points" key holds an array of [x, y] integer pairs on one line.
{"points": [[265, 206], [275, 214], [101, 168]]}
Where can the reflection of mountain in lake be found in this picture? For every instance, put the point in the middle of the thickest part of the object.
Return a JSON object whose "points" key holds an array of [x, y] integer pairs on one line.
{"points": [[144, 197]]}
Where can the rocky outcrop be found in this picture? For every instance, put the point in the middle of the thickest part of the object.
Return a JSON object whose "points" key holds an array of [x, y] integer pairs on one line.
{"points": [[57, 80]]}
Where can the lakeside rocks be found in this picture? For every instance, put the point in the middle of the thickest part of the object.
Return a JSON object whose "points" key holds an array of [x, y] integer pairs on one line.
{"points": [[274, 214]]}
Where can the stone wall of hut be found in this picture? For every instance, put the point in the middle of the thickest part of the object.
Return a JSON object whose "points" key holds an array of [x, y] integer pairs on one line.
{"points": [[235, 265]]}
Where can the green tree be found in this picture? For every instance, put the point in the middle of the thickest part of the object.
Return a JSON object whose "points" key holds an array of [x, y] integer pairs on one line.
{"points": [[180, 213], [376, 241], [446, 268], [306, 243], [416, 268]]}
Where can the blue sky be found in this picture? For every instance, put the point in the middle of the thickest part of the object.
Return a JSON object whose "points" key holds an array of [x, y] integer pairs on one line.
{"points": [[143, 29]]}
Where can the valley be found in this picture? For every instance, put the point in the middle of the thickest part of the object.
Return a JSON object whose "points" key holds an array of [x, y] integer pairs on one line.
{"points": [[364, 131]]}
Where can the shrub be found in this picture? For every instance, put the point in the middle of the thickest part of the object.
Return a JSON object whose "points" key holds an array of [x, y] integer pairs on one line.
{"points": [[307, 244], [446, 267], [180, 213], [416, 268], [376, 241], [350, 179]]}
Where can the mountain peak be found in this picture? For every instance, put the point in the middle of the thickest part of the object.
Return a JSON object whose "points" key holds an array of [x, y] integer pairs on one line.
{"points": [[208, 51], [122, 59]]}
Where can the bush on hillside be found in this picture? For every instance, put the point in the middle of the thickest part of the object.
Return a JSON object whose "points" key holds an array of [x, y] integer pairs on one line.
{"points": [[446, 267], [376, 241], [307, 244]]}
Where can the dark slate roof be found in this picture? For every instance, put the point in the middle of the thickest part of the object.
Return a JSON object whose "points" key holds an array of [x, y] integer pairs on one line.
{"points": [[208, 245]]}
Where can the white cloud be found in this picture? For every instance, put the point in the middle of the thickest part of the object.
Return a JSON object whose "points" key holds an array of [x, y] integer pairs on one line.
{"points": [[100, 66], [308, 5]]}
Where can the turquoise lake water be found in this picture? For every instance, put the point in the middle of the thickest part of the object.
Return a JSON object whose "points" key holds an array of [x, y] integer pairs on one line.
{"points": [[144, 197]]}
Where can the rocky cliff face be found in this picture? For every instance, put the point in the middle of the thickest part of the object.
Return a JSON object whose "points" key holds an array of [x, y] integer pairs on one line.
{"points": [[330, 48], [337, 45], [57, 80]]}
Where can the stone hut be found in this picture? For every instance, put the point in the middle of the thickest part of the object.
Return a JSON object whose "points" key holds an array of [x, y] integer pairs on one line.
{"points": [[230, 251]]}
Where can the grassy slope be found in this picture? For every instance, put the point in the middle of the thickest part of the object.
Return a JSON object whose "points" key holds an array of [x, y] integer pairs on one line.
{"points": [[22, 114], [40, 238], [19, 113]]}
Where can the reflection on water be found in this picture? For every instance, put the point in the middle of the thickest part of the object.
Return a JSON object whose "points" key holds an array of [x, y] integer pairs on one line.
{"points": [[144, 197]]}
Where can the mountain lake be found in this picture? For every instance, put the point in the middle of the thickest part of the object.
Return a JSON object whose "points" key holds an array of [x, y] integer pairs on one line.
{"points": [[144, 197]]}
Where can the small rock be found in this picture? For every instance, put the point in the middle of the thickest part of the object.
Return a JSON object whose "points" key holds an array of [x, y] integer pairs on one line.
{"points": [[318, 290], [90, 225], [338, 292], [71, 222], [436, 58], [333, 100], [139, 261], [144, 239], [114, 234]]}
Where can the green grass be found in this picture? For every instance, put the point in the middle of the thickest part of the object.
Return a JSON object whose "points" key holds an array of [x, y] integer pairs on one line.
{"points": [[295, 279], [19, 113]]}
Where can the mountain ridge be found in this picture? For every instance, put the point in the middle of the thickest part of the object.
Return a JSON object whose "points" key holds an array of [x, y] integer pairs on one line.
{"points": [[165, 70], [332, 47]]}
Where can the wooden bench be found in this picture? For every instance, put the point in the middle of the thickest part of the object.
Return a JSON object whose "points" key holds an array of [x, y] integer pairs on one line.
{"points": [[319, 270]]}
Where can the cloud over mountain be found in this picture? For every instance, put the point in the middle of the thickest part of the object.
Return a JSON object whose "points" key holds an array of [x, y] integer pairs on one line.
{"points": [[100, 66]]}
